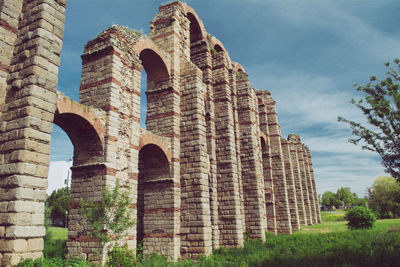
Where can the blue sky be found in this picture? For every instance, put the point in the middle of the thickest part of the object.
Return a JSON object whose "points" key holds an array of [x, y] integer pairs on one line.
{"points": [[309, 54]]}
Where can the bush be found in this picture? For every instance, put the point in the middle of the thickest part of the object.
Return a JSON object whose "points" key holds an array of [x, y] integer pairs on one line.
{"points": [[360, 218], [121, 256]]}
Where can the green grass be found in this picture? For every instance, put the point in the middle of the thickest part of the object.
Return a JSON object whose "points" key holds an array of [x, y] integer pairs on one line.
{"points": [[327, 244], [58, 233]]}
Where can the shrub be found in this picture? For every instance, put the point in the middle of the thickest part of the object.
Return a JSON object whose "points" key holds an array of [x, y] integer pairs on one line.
{"points": [[121, 256], [360, 218]]}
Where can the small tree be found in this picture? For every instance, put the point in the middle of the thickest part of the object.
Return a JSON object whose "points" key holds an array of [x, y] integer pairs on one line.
{"points": [[384, 197], [360, 218], [110, 217], [329, 199], [57, 204], [344, 195], [381, 107]]}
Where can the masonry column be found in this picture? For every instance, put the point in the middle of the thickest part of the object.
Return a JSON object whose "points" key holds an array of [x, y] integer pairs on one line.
{"points": [[307, 202], [253, 181], [196, 221], [291, 191], [292, 139], [230, 221], [267, 163], [200, 55], [310, 186], [278, 172], [9, 21], [236, 127], [315, 188], [27, 121]]}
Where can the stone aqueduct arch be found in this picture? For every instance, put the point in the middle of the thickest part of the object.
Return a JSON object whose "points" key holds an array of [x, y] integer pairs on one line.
{"points": [[210, 166]]}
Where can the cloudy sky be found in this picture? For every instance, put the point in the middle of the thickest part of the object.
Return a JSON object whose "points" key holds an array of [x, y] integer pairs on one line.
{"points": [[308, 54]]}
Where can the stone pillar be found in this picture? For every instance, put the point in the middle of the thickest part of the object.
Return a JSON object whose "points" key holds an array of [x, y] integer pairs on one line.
{"points": [[278, 172], [200, 55], [297, 179], [267, 163], [317, 207], [252, 170], [9, 22], [106, 61], [310, 187], [234, 99], [29, 70], [304, 181], [290, 182], [230, 220], [195, 220]]}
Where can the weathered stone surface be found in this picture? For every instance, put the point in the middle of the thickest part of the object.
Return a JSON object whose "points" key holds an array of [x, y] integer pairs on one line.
{"points": [[210, 168]]}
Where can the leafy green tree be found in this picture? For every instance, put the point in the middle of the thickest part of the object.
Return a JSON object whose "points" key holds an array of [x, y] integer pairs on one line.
{"points": [[110, 217], [344, 195], [362, 202], [385, 197], [381, 107], [329, 199], [57, 206]]}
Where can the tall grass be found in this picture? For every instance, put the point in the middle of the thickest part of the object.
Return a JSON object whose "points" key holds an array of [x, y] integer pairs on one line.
{"points": [[327, 244]]}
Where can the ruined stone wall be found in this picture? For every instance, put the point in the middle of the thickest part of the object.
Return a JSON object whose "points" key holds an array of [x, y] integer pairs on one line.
{"points": [[210, 168]]}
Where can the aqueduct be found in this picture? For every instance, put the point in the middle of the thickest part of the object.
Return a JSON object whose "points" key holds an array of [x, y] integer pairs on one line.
{"points": [[210, 166]]}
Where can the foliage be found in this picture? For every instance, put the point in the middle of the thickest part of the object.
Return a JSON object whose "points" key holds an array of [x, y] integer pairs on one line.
{"points": [[121, 256], [381, 107], [329, 199], [384, 198], [363, 202], [345, 196], [57, 204], [51, 262], [55, 248], [360, 218], [240, 75], [110, 217]]}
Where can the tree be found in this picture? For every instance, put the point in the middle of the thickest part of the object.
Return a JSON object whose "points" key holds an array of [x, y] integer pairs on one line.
{"points": [[57, 204], [329, 199], [344, 195], [385, 197], [110, 217], [380, 105]]}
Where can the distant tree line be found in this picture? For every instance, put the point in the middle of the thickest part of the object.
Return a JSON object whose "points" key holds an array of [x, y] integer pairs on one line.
{"points": [[383, 197]]}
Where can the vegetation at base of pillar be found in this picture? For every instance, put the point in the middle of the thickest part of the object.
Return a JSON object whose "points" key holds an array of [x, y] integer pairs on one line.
{"points": [[381, 107], [360, 218], [384, 197], [110, 217]]}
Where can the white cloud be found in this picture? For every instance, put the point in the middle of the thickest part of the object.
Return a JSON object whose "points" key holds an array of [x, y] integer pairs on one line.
{"points": [[333, 17]]}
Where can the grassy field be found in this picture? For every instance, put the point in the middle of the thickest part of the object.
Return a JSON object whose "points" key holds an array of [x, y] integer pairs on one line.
{"points": [[326, 244], [58, 233]]}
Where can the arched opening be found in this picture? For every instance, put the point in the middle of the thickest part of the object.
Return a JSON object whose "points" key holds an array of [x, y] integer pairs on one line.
{"points": [[155, 67], [59, 178], [143, 99], [155, 100], [87, 170], [218, 48], [195, 29], [153, 199]]}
